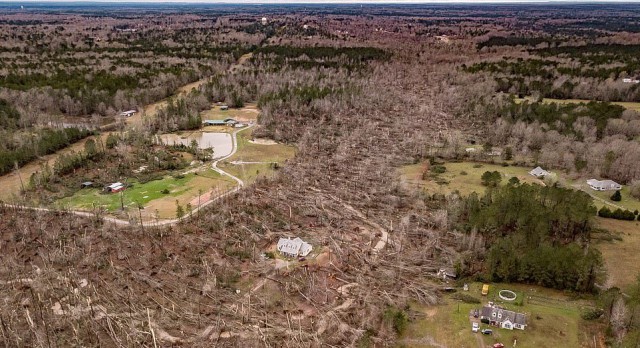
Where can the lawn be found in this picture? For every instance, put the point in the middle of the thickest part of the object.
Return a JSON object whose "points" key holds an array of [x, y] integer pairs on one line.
{"points": [[247, 113], [462, 176], [251, 152], [149, 194], [628, 105], [552, 321], [621, 257]]}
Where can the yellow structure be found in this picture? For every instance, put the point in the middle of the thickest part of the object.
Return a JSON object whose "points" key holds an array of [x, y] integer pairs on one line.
{"points": [[485, 289]]}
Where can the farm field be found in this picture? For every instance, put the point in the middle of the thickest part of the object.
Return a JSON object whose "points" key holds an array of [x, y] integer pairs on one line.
{"points": [[258, 158], [553, 320], [621, 257], [156, 203], [628, 105], [462, 176]]}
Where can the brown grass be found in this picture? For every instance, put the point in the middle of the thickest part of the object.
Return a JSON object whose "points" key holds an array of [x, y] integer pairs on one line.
{"points": [[621, 258]]}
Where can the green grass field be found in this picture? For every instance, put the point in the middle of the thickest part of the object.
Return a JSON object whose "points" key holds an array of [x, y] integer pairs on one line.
{"points": [[552, 321], [628, 105], [457, 179], [148, 193], [250, 152]]}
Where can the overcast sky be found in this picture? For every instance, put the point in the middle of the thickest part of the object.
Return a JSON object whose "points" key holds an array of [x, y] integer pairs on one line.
{"points": [[320, 1]]}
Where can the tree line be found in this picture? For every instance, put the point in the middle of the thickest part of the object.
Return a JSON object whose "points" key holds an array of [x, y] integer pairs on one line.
{"points": [[44, 142]]}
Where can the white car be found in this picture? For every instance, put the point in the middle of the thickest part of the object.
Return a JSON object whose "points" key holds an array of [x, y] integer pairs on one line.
{"points": [[475, 327]]}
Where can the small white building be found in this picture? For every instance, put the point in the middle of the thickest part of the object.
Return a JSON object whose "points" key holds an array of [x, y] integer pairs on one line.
{"points": [[293, 247], [628, 80], [115, 187], [264, 20], [603, 185], [538, 172], [128, 113]]}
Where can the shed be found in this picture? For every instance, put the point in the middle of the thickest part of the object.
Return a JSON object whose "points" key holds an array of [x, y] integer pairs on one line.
{"points": [[86, 184], [214, 123], [224, 107], [115, 187]]}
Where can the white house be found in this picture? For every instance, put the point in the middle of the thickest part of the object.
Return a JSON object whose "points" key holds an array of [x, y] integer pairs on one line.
{"points": [[603, 185], [264, 20], [628, 80], [293, 247], [538, 172]]}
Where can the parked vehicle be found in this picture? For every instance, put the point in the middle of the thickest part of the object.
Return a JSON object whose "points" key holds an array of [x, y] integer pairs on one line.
{"points": [[475, 327], [487, 331], [476, 313]]}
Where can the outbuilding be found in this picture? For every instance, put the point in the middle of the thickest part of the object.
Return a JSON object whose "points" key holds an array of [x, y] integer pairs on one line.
{"points": [[128, 113], [115, 187]]}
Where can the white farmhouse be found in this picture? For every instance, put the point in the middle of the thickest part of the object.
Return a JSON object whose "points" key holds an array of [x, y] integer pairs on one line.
{"points": [[293, 247], [538, 172], [603, 185]]}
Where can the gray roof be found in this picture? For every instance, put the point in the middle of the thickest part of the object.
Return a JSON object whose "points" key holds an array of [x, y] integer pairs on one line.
{"points": [[502, 315]]}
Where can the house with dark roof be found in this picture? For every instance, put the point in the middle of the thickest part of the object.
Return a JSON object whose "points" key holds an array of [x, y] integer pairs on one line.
{"points": [[506, 319], [538, 172]]}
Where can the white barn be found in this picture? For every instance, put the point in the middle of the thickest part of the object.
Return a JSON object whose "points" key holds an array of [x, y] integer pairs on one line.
{"points": [[293, 247], [603, 185]]}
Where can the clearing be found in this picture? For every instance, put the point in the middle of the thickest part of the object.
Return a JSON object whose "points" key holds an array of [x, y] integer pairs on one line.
{"points": [[253, 159], [157, 205], [553, 320], [462, 176], [620, 253]]}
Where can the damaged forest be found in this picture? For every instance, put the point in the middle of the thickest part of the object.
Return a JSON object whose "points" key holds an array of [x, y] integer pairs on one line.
{"points": [[158, 162]]}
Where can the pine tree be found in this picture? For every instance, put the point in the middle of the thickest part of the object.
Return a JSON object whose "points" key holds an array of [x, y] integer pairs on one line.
{"points": [[616, 197]]}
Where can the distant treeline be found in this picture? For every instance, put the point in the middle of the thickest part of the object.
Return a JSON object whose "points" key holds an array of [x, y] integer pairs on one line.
{"points": [[561, 117], [517, 41], [361, 54]]}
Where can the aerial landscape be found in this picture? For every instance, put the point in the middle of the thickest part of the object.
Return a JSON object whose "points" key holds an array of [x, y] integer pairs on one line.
{"points": [[319, 175]]}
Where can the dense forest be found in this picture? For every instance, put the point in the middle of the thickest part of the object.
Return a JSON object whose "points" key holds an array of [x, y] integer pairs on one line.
{"points": [[535, 234], [563, 72]]}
